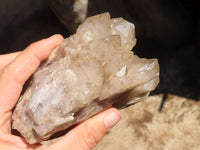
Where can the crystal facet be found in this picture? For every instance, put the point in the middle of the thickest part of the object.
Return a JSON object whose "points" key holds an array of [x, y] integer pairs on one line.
{"points": [[90, 71]]}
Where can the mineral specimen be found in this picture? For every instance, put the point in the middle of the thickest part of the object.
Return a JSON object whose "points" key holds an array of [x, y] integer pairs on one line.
{"points": [[70, 12], [89, 72]]}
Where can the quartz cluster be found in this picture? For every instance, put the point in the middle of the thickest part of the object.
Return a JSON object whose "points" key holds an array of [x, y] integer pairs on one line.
{"points": [[89, 72]]}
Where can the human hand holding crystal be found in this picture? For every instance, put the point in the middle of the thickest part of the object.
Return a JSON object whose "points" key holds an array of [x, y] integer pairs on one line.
{"points": [[15, 69]]}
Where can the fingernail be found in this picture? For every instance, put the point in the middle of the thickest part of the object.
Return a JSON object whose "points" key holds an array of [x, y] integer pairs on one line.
{"points": [[112, 119]]}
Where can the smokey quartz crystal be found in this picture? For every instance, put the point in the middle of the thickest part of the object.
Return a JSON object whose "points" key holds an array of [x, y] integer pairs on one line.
{"points": [[90, 71]]}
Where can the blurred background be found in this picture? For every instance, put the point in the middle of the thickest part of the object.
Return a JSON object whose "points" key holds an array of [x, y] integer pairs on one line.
{"points": [[167, 30]]}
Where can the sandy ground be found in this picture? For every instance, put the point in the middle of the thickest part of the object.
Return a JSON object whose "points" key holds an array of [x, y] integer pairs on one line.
{"points": [[143, 127]]}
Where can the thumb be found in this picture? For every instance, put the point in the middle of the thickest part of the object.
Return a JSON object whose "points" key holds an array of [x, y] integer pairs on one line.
{"points": [[87, 135]]}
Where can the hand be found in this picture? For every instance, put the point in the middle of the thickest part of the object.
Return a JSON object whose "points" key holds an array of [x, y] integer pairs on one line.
{"points": [[15, 69]]}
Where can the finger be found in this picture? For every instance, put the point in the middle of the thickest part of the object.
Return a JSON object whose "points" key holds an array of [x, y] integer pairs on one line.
{"points": [[7, 58], [86, 135], [13, 77]]}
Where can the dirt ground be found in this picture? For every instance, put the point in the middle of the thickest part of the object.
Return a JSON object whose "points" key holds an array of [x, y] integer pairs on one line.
{"points": [[143, 127]]}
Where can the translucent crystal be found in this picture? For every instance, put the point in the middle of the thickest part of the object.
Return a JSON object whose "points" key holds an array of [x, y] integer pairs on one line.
{"points": [[90, 71]]}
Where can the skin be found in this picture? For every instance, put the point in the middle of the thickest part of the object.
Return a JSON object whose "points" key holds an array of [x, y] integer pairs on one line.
{"points": [[15, 69]]}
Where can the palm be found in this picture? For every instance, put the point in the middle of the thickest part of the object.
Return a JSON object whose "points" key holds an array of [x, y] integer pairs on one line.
{"points": [[8, 141], [13, 74]]}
